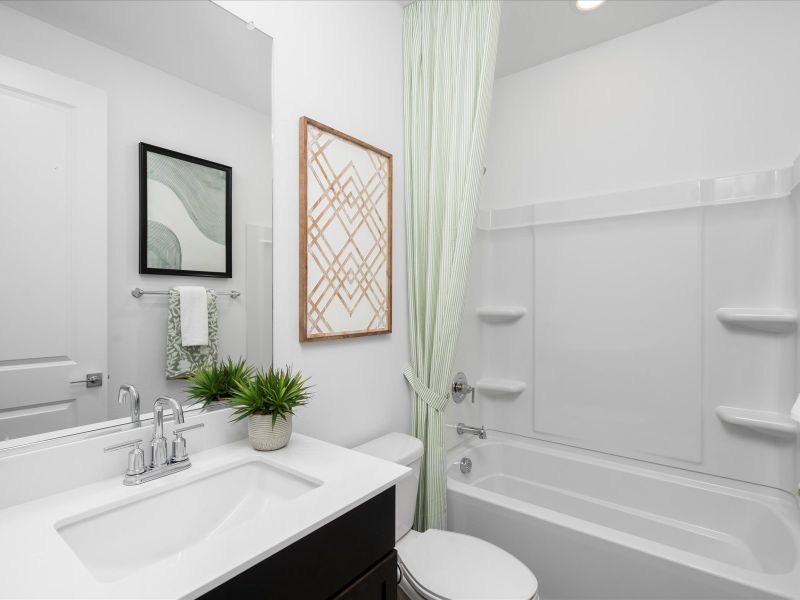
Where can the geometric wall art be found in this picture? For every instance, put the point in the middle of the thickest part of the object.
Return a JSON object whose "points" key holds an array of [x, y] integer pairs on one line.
{"points": [[345, 235], [184, 214]]}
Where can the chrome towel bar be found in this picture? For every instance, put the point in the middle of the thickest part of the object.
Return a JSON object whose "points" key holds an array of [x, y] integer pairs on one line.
{"points": [[139, 292]]}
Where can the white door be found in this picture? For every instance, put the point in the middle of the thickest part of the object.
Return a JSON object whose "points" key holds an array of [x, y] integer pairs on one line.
{"points": [[52, 250]]}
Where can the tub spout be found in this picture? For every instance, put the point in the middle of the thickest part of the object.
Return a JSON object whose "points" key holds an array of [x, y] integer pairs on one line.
{"points": [[479, 431]]}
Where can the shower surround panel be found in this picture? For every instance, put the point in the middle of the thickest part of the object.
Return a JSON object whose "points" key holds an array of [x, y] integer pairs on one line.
{"points": [[619, 346]]}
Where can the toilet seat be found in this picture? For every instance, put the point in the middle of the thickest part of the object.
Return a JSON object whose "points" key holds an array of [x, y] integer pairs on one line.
{"points": [[443, 565]]}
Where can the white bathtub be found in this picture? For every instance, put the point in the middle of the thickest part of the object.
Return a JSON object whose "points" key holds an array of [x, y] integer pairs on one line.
{"points": [[599, 527]]}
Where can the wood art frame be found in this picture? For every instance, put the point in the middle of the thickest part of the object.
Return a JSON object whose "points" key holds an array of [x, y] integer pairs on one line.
{"points": [[346, 277]]}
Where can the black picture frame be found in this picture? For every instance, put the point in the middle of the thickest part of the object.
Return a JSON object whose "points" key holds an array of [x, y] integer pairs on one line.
{"points": [[144, 150]]}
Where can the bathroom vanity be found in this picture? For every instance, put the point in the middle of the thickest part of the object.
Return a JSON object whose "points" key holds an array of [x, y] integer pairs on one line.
{"points": [[313, 520], [352, 557]]}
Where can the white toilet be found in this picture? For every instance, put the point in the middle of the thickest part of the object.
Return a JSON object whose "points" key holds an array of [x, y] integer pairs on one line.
{"points": [[442, 565]]}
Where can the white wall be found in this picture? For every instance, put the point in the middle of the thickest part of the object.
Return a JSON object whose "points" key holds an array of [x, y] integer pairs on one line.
{"points": [[145, 104], [710, 93], [339, 63], [620, 350]]}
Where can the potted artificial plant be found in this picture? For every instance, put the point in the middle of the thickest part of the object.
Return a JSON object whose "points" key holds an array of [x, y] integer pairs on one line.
{"points": [[218, 382], [268, 400]]}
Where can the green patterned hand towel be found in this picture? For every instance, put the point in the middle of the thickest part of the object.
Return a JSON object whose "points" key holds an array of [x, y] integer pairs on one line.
{"points": [[183, 361]]}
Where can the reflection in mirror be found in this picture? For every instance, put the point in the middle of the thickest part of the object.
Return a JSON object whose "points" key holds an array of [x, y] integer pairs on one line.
{"points": [[82, 85]]}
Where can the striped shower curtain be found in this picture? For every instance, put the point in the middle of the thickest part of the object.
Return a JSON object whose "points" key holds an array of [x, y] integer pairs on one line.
{"points": [[449, 56]]}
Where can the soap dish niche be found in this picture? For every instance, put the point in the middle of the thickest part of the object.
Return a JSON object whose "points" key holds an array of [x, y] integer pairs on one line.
{"points": [[491, 386], [769, 320], [501, 314], [762, 421]]}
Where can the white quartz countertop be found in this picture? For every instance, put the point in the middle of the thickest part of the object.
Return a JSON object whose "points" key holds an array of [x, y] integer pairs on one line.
{"points": [[36, 562]]}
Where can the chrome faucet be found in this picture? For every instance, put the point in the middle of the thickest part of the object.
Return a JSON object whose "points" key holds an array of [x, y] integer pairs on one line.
{"points": [[479, 431], [161, 463], [129, 393], [158, 446]]}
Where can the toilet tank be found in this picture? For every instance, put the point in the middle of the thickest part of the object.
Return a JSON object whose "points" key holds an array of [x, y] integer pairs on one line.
{"points": [[404, 450]]}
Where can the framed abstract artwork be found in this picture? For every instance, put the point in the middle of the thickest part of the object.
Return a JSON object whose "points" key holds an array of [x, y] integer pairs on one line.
{"points": [[184, 214], [345, 235]]}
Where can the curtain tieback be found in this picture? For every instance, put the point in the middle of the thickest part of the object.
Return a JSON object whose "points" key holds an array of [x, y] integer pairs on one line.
{"points": [[436, 401]]}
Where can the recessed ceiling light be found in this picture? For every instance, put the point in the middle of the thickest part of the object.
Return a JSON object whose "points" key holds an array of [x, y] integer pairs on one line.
{"points": [[587, 5]]}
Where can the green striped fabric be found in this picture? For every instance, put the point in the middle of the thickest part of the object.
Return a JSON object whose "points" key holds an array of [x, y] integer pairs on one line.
{"points": [[449, 51]]}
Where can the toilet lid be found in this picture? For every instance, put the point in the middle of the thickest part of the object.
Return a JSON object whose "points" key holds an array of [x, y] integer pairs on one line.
{"points": [[454, 566]]}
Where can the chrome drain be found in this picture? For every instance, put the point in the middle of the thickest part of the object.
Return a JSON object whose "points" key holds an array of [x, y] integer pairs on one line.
{"points": [[465, 465]]}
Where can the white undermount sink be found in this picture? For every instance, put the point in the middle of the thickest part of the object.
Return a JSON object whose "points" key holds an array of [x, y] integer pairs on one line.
{"points": [[116, 540]]}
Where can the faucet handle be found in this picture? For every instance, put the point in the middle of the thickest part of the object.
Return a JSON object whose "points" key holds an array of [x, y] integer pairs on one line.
{"points": [[179, 453], [135, 456], [134, 443], [460, 388], [179, 430]]}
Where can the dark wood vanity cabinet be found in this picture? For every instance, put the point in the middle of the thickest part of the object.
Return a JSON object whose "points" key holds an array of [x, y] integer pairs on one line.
{"points": [[350, 558]]}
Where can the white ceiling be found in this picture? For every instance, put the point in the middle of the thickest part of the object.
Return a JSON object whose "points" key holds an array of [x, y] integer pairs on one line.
{"points": [[195, 40], [535, 31], [202, 43]]}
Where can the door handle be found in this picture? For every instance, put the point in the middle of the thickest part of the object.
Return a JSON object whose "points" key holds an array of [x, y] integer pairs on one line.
{"points": [[92, 380]]}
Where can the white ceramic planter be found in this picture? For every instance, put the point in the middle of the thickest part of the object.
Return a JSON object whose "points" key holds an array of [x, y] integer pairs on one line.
{"points": [[263, 436]]}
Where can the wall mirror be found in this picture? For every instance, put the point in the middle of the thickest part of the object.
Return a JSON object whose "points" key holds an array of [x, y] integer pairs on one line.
{"points": [[82, 85]]}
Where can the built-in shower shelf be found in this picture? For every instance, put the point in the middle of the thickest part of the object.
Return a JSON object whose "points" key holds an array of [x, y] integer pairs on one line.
{"points": [[768, 422], [500, 387], [759, 186], [771, 320], [501, 314]]}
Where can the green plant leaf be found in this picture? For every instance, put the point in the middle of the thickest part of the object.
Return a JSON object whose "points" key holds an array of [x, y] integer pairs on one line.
{"points": [[275, 392], [218, 382]]}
